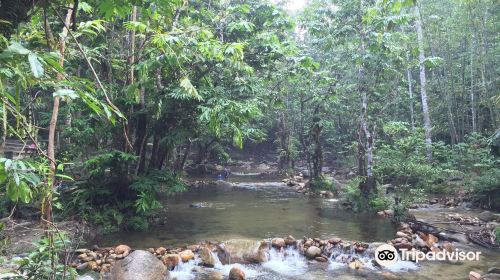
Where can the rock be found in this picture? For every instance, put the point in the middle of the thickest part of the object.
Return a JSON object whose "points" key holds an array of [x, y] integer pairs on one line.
{"points": [[160, 251], [490, 276], [457, 237], [236, 274], [278, 243], [494, 270], [486, 216], [215, 275], [263, 166], [431, 240], [139, 265], [243, 251], [171, 260], [207, 258], [82, 266], [321, 259], [334, 240], [400, 246], [389, 212], [419, 243], [389, 275], [356, 264], [474, 275], [186, 255], [313, 252], [403, 235], [93, 265], [328, 194], [448, 246], [122, 249], [290, 241], [82, 251], [381, 214]]}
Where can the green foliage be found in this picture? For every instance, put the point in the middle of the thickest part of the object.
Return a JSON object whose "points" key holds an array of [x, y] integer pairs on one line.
{"points": [[323, 184], [39, 263], [485, 189]]}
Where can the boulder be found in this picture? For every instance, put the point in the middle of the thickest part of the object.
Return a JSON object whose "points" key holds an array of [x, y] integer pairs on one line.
{"points": [[139, 265], [122, 249], [186, 255], [334, 240], [474, 275], [486, 216], [160, 251], [313, 252], [171, 260], [494, 270], [243, 251], [88, 276], [290, 241], [278, 243], [207, 258], [356, 264], [236, 274], [431, 240]]}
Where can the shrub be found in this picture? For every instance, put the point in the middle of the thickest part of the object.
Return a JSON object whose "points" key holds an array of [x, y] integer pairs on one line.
{"points": [[485, 189]]}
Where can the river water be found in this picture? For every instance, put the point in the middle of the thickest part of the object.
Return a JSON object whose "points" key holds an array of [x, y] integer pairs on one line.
{"points": [[256, 211], [261, 210]]}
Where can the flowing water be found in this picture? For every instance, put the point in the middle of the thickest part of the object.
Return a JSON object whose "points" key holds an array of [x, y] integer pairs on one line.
{"points": [[264, 210]]}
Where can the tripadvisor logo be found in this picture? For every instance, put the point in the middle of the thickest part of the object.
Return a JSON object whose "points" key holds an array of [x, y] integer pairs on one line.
{"points": [[386, 255]]}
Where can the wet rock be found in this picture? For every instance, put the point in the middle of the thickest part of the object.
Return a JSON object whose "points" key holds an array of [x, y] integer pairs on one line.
{"points": [[431, 240], [278, 243], [403, 235], [457, 237], [389, 275], [207, 258], [170, 260], [290, 241], [139, 265], [236, 274], [82, 266], [356, 264], [491, 276], [215, 275], [122, 249], [161, 251], [334, 240], [486, 216], [474, 275], [93, 265], [372, 247], [186, 255], [82, 251], [243, 251], [313, 252], [321, 259], [494, 270], [448, 246]]}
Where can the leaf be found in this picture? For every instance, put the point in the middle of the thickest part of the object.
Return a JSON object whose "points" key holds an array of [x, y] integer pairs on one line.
{"points": [[189, 88], [64, 92], [238, 138], [36, 66], [12, 191], [24, 192], [13, 49]]}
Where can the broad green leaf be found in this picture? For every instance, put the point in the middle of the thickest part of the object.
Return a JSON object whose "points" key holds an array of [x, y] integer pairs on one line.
{"points": [[35, 65], [64, 92]]}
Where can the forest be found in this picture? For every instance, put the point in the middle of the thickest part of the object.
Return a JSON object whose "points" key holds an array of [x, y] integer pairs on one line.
{"points": [[177, 139]]}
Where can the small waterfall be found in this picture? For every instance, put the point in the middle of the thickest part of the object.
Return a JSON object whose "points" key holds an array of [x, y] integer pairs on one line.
{"points": [[286, 262], [184, 271]]}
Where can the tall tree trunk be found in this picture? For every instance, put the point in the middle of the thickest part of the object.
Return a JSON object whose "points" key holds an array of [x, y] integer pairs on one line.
{"points": [[423, 93], [367, 186], [47, 201], [471, 93], [410, 93], [317, 151]]}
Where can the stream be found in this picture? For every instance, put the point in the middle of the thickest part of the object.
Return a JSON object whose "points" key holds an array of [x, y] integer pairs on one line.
{"points": [[263, 210]]}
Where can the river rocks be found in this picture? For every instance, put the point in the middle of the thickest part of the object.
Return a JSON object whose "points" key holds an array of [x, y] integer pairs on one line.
{"points": [[334, 240], [448, 246], [494, 270], [431, 240], [474, 275], [356, 264], [321, 259], [486, 216], [278, 243], [122, 249], [139, 265], [171, 260], [87, 276], [160, 251], [313, 252], [326, 194], [207, 258], [290, 241], [386, 213], [243, 251], [186, 255], [236, 274]]}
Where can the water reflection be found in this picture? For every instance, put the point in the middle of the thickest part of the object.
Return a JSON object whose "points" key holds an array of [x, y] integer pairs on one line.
{"points": [[252, 211]]}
